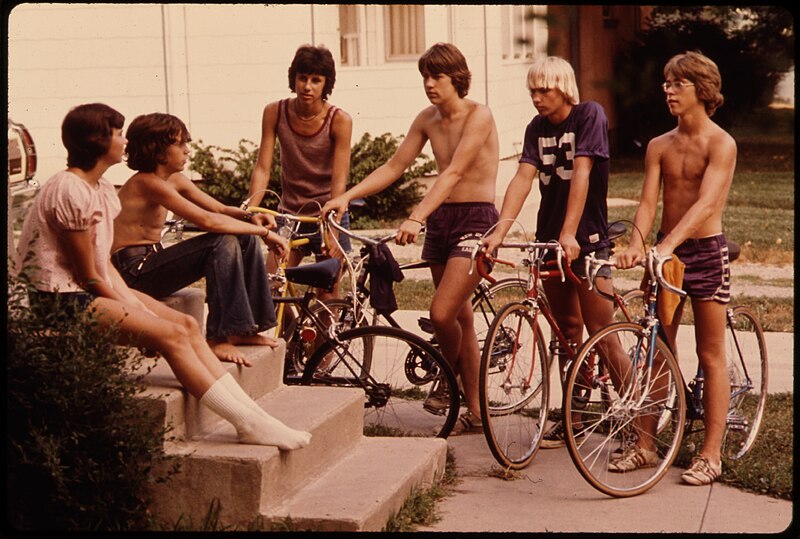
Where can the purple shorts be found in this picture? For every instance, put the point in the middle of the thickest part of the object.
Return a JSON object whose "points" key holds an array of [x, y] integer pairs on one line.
{"points": [[454, 228], [707, 276]]}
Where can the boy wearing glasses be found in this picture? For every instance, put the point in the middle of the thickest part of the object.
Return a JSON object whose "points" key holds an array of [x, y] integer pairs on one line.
{"points": [[457, 209], [695, 162], [566, 147], [229, 256]]}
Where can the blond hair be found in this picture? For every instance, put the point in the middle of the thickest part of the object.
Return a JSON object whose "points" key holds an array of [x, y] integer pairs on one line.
{"points": [[554, 73]]}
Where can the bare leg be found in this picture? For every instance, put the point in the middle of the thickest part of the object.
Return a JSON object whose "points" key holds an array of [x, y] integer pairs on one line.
{"points": [[709, 323], [178, 338], [453, 323], [565, 304]]}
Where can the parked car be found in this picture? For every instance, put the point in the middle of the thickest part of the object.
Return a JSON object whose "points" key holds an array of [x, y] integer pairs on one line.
{"points": [[21, 169]]}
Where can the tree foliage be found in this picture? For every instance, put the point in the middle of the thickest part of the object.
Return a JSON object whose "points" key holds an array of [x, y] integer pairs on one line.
{"points": [[752, 46], [226, 176]]}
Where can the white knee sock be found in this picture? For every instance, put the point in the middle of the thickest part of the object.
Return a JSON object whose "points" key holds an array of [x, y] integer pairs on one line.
{"points": [[252, 427], [230, 383]]}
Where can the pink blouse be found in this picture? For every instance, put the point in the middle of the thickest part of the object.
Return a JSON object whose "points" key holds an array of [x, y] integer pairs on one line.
{"points": [[66, 202]]}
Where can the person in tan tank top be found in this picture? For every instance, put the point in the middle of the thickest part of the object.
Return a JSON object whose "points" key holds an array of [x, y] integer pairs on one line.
{"points": [[314, 138], [458, 207]]}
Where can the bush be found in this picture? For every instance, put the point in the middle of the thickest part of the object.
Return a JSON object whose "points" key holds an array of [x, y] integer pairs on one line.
{"points": [[226, 176], [753, 48], [80, 446], [397, 200]]}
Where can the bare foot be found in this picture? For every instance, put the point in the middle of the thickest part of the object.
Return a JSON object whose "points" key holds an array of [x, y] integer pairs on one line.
{"points": [[228, 353], [253, 340]]}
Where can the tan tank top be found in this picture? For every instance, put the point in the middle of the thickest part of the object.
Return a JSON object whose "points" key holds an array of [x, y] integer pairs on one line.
{"points": [[306, 163]]}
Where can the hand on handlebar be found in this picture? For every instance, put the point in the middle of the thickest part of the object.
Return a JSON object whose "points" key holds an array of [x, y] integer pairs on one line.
{"points": [[408, 231], [337, 205], [277, 244], [265, 220], [490, 243], [572, 250], [630, 258]]}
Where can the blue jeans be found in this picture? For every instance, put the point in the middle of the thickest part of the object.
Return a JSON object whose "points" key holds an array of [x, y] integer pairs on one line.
{"points": [[237, 285]]}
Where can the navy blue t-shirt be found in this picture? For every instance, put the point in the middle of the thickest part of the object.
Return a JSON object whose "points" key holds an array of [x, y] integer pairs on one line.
{"points": [[552, 149]]}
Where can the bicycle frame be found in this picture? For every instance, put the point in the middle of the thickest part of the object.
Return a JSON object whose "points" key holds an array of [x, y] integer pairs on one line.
{"points": [[539, 269]]}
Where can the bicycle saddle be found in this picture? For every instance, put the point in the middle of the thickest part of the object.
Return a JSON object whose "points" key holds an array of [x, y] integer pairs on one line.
{"points": [[734, 250], [320, 274], [616, 229]]}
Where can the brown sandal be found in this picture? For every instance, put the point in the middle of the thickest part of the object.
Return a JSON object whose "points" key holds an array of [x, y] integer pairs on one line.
{"points": [[468, 423]]}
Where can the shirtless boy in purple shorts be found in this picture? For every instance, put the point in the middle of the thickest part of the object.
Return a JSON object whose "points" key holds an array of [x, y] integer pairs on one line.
{"points": [[464, 138], [695, 163]]}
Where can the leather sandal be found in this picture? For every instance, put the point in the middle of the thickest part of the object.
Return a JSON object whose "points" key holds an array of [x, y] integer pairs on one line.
{"points": [[468, 423]]}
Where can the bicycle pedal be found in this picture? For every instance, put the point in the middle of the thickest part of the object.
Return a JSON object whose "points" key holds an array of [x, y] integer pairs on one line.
{"points": [[425, 325]]}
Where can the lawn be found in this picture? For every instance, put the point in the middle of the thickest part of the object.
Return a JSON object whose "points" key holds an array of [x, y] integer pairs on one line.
{"points": [[759, 214]]}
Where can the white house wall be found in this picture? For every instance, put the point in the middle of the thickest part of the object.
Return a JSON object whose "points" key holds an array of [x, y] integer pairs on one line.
{"points": [[216, 66]]}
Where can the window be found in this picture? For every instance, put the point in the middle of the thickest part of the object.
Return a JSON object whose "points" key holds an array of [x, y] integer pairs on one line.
{"points": [[349, 34], [523, 31], [405, 31]]}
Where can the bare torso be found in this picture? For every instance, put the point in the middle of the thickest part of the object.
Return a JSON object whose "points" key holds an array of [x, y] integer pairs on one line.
{"points": [[141, 220], [479, 178], [685, 164]]}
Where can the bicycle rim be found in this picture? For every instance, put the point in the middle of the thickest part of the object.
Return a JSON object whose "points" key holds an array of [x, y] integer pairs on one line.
{"points": [[746, 352], [605, 420], [513, 386], [409, 389], [488, 301]]}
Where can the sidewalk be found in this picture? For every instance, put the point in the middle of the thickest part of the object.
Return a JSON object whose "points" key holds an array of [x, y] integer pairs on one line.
{"points": [[551, 496]]}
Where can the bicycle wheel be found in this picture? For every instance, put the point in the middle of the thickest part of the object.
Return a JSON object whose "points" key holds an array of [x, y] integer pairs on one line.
{"points": [[303, 337], [746, 353], [634, 302], [489, 299], [627, 399], [402, 376], [513, 386]]}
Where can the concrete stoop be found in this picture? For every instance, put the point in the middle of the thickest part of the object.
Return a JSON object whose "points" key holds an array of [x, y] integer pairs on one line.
{"points": [[342, 481]]}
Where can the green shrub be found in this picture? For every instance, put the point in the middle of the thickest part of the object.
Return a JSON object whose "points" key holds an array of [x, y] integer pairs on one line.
{"points": [[226, 176], [226, 173], [80, 446], [397, 200]]}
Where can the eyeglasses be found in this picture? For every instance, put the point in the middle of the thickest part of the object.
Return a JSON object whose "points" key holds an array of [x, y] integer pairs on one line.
{"points": [[678, 85]]}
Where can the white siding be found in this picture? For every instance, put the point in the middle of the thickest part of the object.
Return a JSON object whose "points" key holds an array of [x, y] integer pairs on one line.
{"points": [[216, 66]]}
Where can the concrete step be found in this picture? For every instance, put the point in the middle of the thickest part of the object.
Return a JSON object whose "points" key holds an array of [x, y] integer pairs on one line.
{"points": [[341, 481], [187, 418], [366, 488], [249, 479]]}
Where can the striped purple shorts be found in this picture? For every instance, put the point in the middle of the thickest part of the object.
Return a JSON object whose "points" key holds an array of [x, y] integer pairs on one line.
{"points": [[707, 276]]}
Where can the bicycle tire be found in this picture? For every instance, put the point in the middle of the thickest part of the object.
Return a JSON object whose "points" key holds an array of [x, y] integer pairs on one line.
{"points": [[487, 302], [398, 372], [602, 427], [514, 386], [298, 348], [634, 301], [748, 377]]}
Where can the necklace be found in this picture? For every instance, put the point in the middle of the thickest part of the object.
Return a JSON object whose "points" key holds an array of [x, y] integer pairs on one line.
{"points": [[299, 117]]}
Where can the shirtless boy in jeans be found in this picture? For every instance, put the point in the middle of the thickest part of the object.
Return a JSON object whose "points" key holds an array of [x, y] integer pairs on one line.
{"points": [[695, 163], [458, 207], [228, 255]]}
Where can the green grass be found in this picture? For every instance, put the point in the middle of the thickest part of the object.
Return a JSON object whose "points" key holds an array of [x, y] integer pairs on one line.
{"points": [[420, 508], [759, 212]]}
